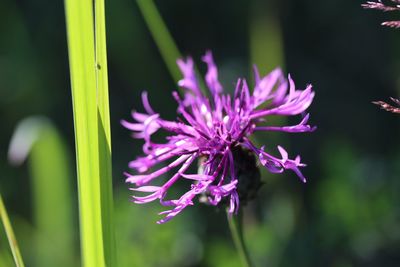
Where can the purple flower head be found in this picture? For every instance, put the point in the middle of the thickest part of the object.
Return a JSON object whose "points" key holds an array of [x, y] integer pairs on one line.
{"points": [[214, 131], [379, 5]]}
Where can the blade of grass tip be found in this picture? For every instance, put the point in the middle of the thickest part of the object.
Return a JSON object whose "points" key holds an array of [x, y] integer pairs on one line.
{"points": [[164, 41], [80, 33], [10, 235], [49, 164], [104, 134]]}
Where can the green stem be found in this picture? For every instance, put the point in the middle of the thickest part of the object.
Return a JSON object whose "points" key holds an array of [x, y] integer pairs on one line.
{"points": [[236, 229], [164, 40], [165, 43], [10, 235]]}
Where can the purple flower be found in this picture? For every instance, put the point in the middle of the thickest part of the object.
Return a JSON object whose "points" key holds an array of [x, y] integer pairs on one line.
{"points": [[215, 131], [385, 7]]}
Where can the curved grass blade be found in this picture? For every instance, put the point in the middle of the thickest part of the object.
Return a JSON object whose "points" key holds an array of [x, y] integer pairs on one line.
{"points": [[49, 164]]}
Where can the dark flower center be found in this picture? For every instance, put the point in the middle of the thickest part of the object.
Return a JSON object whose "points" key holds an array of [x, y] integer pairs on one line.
{"points": [[247, 173]]}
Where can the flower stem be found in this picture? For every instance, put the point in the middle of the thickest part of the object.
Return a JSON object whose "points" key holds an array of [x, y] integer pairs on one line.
{"points": [[235, 226], [164, 41]]}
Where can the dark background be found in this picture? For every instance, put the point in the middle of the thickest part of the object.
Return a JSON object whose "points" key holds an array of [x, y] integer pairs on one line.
{"points": [[348, 212]]}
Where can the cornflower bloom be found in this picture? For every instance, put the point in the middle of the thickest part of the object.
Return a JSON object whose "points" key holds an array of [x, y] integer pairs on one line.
{"points": [[395, 6], [215, 132]]}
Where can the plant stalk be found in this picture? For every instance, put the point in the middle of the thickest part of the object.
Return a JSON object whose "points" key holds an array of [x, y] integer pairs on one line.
{"points": [[162, 37], [236, 229]]}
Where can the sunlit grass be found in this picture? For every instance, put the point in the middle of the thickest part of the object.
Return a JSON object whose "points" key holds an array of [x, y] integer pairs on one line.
{"points": [[88, 69], [104, 133]]}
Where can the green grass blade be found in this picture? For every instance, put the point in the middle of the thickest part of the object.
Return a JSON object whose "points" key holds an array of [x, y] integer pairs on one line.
{"points": [[49, 164], [10, 235], [104, 134], [80, 31], [162, 37]]}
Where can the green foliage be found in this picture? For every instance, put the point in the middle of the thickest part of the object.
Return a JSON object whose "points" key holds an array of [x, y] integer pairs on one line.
{"points": [[355, 204], [142, 242]]}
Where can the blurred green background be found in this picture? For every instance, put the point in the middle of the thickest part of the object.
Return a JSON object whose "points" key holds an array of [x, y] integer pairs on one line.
{"points": [[346, 215]]}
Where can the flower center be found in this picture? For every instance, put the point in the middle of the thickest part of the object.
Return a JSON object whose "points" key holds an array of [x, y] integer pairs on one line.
{"points": [[247, 173]]}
